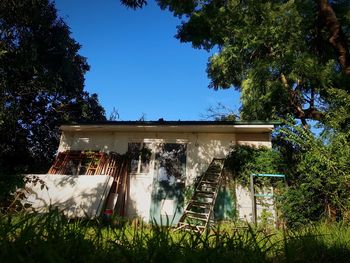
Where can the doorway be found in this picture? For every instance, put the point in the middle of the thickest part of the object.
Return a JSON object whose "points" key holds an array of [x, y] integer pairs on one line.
{"points": [[167, 201]]}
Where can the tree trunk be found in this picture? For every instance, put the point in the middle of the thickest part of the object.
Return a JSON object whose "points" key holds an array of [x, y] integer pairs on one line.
{"points": [[337, 37]]}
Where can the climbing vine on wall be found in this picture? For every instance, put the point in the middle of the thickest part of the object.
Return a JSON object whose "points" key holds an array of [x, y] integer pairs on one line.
{"points": [[245, 160]]}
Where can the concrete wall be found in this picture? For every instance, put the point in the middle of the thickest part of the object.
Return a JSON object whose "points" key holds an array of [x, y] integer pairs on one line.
{"points": [[201, 149]]}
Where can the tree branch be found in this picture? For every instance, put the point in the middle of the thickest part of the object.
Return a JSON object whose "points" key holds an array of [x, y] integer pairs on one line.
{"points": [[298, 111], [134, 4], [337, 38]]}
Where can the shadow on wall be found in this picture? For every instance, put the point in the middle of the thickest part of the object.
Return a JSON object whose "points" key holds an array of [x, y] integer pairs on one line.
{"points": [[224, 206], [81, 196], [201, 154], [215, 148], [167, 202], [68, 180]]}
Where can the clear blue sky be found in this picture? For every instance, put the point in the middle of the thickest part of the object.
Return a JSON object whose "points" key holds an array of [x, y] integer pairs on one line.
{"points": [[137, 65]]}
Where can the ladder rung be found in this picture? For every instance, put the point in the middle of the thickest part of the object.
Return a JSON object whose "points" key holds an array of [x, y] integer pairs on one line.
{"points": [[201, 215], [214, 168], [206, 188], [193, 201], [204, 192], [188, 224], [197, 218], [212, 173], [203, 199], [209, 182], [192, 226], [199, 197], [200, 205], [211, 178]]}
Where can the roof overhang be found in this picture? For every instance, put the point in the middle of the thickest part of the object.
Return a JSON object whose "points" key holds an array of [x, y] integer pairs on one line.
{"points": [[172, 127]]}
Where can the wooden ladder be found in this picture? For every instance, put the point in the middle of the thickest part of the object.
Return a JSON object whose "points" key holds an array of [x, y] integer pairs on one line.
{"points": [[198, 213]]}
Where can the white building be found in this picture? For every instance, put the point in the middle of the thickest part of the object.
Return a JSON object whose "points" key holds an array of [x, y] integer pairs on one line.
{"points": [[154, 192]]}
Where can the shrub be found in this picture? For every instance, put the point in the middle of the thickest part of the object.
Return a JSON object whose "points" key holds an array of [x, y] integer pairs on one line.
{"points": [[319, 177]]}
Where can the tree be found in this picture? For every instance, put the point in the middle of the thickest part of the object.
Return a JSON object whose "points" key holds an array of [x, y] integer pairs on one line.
{"points": [[220, 112], [284, 56], [41, 84]]}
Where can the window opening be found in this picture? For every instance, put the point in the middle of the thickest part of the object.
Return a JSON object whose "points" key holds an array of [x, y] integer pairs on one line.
{"points": [[140, 154]]}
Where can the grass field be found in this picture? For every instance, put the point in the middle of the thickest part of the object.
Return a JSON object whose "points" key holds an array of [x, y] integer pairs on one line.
{"points": [[51, 238]]}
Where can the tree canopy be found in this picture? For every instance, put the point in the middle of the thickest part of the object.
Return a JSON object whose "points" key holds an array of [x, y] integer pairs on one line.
{"points": [[286, 57], [41, 84]]}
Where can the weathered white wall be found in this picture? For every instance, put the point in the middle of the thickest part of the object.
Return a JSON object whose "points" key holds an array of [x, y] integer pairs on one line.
{"points": [[76, 196], [256, 139], [139, 201], [244, 204], [201, 149]]}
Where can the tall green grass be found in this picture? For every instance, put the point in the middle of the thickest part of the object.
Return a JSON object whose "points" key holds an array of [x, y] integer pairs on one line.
{"points": [[52, 238]]}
